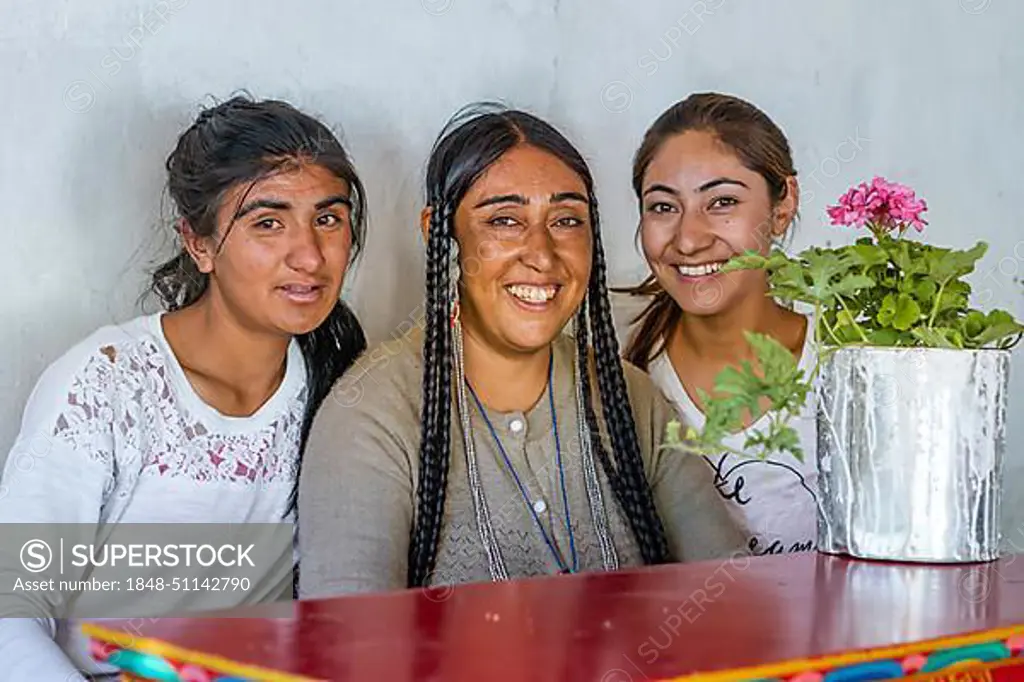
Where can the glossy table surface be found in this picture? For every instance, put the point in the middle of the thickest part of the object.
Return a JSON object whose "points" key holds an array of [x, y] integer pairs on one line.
{"points": [[652, 623]]}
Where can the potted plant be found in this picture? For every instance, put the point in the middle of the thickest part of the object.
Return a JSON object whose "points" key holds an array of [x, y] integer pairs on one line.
{"points": [[910, 383]]}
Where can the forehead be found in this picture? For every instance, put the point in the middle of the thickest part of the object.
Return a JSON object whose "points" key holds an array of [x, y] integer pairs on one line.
{"points": [[530, 171], [692, 158], [303, 183]]}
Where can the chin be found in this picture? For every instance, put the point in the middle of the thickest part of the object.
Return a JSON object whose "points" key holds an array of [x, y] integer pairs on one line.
{"points": [[703, 298], [531, 338], [297, 324], [693, 310]]}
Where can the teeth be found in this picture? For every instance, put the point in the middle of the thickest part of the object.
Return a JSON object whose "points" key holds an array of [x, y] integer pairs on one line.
{"points": [[532, 294], [699, 270]]}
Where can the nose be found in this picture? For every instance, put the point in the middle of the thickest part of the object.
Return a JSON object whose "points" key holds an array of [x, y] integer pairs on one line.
{"points": [[305, 252], [693, 233], [539, 249]]}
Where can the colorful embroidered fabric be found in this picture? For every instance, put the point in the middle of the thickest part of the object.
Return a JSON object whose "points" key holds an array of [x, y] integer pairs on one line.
{"points": [[993, 656]]}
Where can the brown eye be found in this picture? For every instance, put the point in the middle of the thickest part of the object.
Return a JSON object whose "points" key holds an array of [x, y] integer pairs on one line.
{"points": [[328, 220], [723, 202], [660, 207], [569, 221], [502, 221], [268, 224]]}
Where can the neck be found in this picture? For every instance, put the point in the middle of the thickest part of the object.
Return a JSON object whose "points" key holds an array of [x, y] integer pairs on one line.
{"points": [[215, 348], [505, 382], [720, 337]]}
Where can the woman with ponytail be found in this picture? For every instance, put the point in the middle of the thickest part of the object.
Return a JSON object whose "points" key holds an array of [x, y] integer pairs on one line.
{"points": [[508, 439], [714, 178], [198, 413]]}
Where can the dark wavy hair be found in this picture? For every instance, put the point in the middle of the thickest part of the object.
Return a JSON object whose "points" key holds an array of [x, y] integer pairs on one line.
{"points": [[472, 141], [241, 141]]}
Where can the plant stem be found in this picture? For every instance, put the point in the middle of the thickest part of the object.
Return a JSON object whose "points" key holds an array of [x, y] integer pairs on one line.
{"points": [[698, 450], [831, 332], [817, 326], [860, 331], [935, 306]]}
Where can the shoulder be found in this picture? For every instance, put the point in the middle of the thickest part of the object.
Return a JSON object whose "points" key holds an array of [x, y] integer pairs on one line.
{"points": [[385, 373], [97, 364], [376, 402]]}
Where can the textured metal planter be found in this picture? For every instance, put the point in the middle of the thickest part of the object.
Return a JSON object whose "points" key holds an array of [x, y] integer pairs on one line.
{"points": [[910, 453]]}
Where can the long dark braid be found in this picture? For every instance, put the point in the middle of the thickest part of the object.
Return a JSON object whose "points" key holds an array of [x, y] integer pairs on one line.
{"points": [[435, 416], [628, 479]]}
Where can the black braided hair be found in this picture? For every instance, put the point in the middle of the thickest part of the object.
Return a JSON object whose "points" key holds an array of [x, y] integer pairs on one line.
{"points": [[472, 141], [626, 474], [435, 441], [236, 143]]}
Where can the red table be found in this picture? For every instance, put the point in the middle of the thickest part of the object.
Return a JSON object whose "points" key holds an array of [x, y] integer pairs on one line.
{"points": [[783, 617]]}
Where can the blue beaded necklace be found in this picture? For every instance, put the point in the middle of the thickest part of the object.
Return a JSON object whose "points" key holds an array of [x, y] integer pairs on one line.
{"points": [[561, 474]]}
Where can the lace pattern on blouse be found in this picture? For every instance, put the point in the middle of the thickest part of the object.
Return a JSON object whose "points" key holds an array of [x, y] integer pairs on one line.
{"points": [[121, 409]]}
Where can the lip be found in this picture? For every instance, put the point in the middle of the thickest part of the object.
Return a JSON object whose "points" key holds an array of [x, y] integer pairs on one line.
{"points": [[302, 293], [696, 278], [531, 306]]}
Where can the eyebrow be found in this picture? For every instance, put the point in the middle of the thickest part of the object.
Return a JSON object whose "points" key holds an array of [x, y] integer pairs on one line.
{"points": [[278, 205], [710, 184], [557, 197]]}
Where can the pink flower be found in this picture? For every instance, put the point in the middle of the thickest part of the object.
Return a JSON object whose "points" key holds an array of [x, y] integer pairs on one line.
{"points": [[882, 205]]}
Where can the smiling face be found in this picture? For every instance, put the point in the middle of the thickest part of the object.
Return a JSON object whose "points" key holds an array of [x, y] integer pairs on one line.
{"points": [[281, 266], [525, 241], [700, 207]]}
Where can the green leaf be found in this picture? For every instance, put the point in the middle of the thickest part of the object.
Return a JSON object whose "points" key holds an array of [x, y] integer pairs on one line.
{"points": [[886, 337], [906, 314], [903, 259], [925, 290], [783, 440], [997, 333], [740, 391], [750, 260], [974, 324], [998, 325], [955, 296], [888, 310], [939, 337], [869, 255], [844, 318], [933, 338], [946, 264], [852, 284], [822, 267], [777, 362]]}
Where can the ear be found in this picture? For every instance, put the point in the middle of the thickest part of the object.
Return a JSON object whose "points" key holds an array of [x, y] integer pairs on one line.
{"points": [[425, 215], [786, 210], [200, 249]]}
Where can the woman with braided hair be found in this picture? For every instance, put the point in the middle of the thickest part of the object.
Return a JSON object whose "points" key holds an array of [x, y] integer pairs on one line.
{"points": [[494, 444]]}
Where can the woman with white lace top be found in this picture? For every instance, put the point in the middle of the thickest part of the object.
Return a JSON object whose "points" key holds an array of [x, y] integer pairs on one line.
{"points": [[714, 177], [199, 413]]}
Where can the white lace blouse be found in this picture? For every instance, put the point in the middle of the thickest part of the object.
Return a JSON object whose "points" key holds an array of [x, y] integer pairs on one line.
{"points": [[114, 433]]}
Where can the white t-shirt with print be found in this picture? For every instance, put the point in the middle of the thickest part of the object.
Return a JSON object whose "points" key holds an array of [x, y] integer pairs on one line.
{"points": [[774, 499]]}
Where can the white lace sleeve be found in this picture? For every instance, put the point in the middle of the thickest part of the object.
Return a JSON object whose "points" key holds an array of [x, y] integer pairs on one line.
{"points": [[60, 470], [62, 464]]}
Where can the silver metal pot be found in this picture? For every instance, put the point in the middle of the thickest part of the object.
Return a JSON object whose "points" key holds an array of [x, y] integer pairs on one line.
{"points": [[910, 453]]}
